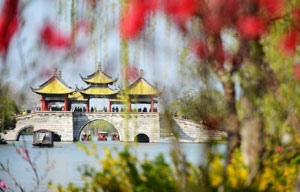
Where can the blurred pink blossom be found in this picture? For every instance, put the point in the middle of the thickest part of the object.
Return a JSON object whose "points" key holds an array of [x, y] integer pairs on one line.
{"points": [[181, 10], [296, 72], [131, 73], [53, 38], [26, 157], [3, 185], [200, 48], [50, 167], [83, 25], [134, 16], [289, 42], [278, 148], [9, 23], [273, 7], [251, 27], [18, 151]]}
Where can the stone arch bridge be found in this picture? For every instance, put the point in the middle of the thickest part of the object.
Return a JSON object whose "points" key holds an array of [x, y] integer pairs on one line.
{"points": [[68, 125]]}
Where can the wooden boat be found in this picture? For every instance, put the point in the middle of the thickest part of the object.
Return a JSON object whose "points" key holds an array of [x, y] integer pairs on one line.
{"points": [[43, 138], [115, 137], [102, 136]]}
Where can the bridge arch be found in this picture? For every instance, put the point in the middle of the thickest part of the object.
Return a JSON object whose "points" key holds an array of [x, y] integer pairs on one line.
{"points": [[97, 119], [18, 134], [142, 138]]}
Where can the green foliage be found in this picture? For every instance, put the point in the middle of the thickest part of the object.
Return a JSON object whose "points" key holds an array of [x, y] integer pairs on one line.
{"points": [[100, 125], [204, 106], [8, 110], [126, 173]]}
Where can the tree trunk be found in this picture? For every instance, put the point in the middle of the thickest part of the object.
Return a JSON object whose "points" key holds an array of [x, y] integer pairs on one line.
{"points": [[232, 121], [252, 144]]}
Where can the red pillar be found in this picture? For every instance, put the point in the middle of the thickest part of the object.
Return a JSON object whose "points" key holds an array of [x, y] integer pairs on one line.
{"points": [[88, 105], [152, 105], [109, 106], [43, 104], [66, 102], [47, 105], [129, 104]]}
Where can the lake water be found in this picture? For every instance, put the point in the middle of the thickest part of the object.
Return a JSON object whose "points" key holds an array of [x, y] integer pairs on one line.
{"points": [[67, 158]]}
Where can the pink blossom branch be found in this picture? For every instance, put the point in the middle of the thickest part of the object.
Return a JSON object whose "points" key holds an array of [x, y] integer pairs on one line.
{"points": [[7, 171]]}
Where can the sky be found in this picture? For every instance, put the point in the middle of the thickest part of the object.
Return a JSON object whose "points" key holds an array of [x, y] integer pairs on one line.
{"points": [[157, 51]]}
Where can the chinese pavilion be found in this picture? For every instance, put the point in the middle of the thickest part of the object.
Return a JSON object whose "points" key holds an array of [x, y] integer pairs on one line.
{"points": [[142, 92], [54, 90], [77, 98], [98, 87]]}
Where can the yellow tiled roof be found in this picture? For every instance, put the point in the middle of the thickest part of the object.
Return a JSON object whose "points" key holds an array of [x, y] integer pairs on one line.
{"points": [[54, 87], [141, 87], [99, 77], [99, 91], [77, 96]]}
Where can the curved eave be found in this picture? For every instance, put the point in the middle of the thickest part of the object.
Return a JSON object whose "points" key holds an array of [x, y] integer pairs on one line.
{"points": [[95, 82], [89, 80], [37, 91], [100, 92], [146, 95]]}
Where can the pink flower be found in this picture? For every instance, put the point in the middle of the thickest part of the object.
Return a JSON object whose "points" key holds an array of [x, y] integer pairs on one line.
{"points": [[296, 14], [274, 7], [212, 24], [93, 2], [83, 25], [3, 185], [181, 10], [278, 148], [53, 38], [134, 17], [296, 72], [50, 167], [289, 43], [131, 73], [26, 157], [223, 10], [219, 54], [18, 151], [200, 49], [9, 23], [251, 27]]}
